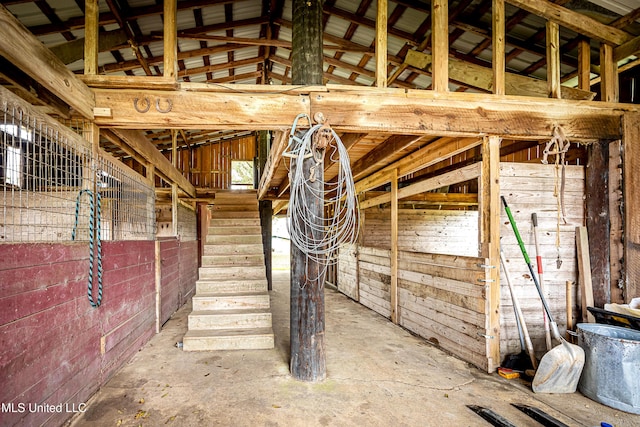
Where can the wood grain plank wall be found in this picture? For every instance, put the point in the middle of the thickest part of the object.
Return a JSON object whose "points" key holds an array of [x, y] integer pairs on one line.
{"points": [[529, 188], [56, 348]]}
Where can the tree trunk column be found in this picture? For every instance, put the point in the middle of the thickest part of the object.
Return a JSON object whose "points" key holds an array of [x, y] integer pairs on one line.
{"points": [[307, 289]]}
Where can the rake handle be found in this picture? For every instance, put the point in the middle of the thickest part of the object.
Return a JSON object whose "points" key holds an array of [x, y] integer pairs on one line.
{"points": [[554, 325]]}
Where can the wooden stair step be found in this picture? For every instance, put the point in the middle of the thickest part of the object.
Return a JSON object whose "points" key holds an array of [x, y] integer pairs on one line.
{"points": [[228, 339], [213, 249], [240, 239], [234, 222], [233, 260], [232, 273], [231, 286], [234, 230], [230, 301], [229, 319], [218, 214]]}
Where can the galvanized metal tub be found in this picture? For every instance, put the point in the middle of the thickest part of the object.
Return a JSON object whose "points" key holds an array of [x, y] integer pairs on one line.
{"points": [[611, 373]]}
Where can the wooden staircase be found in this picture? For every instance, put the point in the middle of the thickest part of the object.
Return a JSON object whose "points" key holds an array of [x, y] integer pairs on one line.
{"points": [[231, 306]]}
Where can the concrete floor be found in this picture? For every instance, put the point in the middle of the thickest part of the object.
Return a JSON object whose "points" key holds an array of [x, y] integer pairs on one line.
{"points": [[377, 374]]}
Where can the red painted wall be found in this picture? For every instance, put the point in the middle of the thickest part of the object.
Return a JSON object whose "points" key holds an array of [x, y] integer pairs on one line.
{"points": [[54, 347]]}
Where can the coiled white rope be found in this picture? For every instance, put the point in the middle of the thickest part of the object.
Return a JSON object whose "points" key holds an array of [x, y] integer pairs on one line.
{"points": [[320, 237]]}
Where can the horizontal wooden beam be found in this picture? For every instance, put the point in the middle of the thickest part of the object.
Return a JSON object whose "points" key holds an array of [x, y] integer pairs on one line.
{"points": [[575, 21], [459, 175], [632, 47], [133, 109], [27, 53], [467, 114], [139, 142]]}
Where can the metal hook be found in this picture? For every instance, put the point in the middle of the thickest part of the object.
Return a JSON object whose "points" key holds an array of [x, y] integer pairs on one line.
{"points": [[160, 110], [147, 104]]}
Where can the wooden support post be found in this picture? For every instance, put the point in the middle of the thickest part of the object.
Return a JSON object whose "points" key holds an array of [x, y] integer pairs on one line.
{"points": [[616, 250], [170, 39], [174, 209], [609, 74], [393, 288], [307, 288], [553, 59], [489, 200], [91, 30], [597, 206], [381, 44], [498, 49], [631, 166], [584, 64], [440, 45], [266, 206]]}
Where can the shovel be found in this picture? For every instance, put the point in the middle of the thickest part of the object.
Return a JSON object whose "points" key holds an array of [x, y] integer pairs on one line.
{"points": [[560, 368]]}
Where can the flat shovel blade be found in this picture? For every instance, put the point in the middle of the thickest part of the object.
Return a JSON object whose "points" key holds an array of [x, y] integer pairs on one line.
{"points": [[559, 370]]}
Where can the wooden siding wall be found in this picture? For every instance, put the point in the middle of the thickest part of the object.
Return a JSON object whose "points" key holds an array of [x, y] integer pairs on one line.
{"points": [[453, 232], [440, 297], [529, 188], [56, 348], [209, 165]]}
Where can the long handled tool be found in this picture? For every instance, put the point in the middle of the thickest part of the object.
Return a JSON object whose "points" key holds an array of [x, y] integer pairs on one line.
{"points": [[547, 331], [559, 370], [523, 332]]}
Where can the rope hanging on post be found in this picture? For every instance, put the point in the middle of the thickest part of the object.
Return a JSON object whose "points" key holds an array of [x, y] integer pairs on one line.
{"points": [[340, 225], [558, 145], [94, 234]]}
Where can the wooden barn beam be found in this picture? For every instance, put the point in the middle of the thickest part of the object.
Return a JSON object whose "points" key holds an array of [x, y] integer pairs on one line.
{"points": [[170, 40], [307, 322], [139, 142], [199, 110], [433, 153], [91, 31], [27, 53], [553, 60], [498, 50], [381, 44], [389, 147], [280, 141], [466, 114], [481, 77], [575, 21], [440, 45], [74, 50]]}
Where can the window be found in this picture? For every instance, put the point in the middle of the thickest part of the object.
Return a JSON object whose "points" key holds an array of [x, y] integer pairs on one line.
{"points": [[241, 174]]}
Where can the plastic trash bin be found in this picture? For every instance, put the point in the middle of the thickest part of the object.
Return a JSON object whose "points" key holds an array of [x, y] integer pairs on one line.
{"points": [[611, 373]]}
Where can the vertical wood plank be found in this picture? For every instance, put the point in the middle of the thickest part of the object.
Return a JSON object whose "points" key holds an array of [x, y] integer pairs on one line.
{"points": [[489, 201], [553, 59], [631, 166], [393, 288], [381, 44], [584, 65], [440, 45], [498, 50], [597, 217], [170, 39], [609, 74], [174, 209], [584, 273], [91, 30]]}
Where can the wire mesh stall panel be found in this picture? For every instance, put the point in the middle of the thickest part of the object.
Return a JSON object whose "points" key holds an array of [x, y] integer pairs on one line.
{"points": [[43, 168], [52, 187], [127, 201]]}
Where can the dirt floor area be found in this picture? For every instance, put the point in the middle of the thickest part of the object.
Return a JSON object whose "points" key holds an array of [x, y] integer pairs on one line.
{"points": [[377, 374]]}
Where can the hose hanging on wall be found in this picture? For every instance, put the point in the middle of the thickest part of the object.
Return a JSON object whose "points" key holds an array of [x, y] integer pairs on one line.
{"points": [[94, 234], [340, 225]]}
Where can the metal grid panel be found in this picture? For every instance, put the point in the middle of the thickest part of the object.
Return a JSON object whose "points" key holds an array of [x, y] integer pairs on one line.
{"points": [[49, 178]]}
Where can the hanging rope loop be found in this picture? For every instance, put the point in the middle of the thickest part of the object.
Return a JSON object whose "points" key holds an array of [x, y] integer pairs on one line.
{"points": [[95, 242], [320, 237]]}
